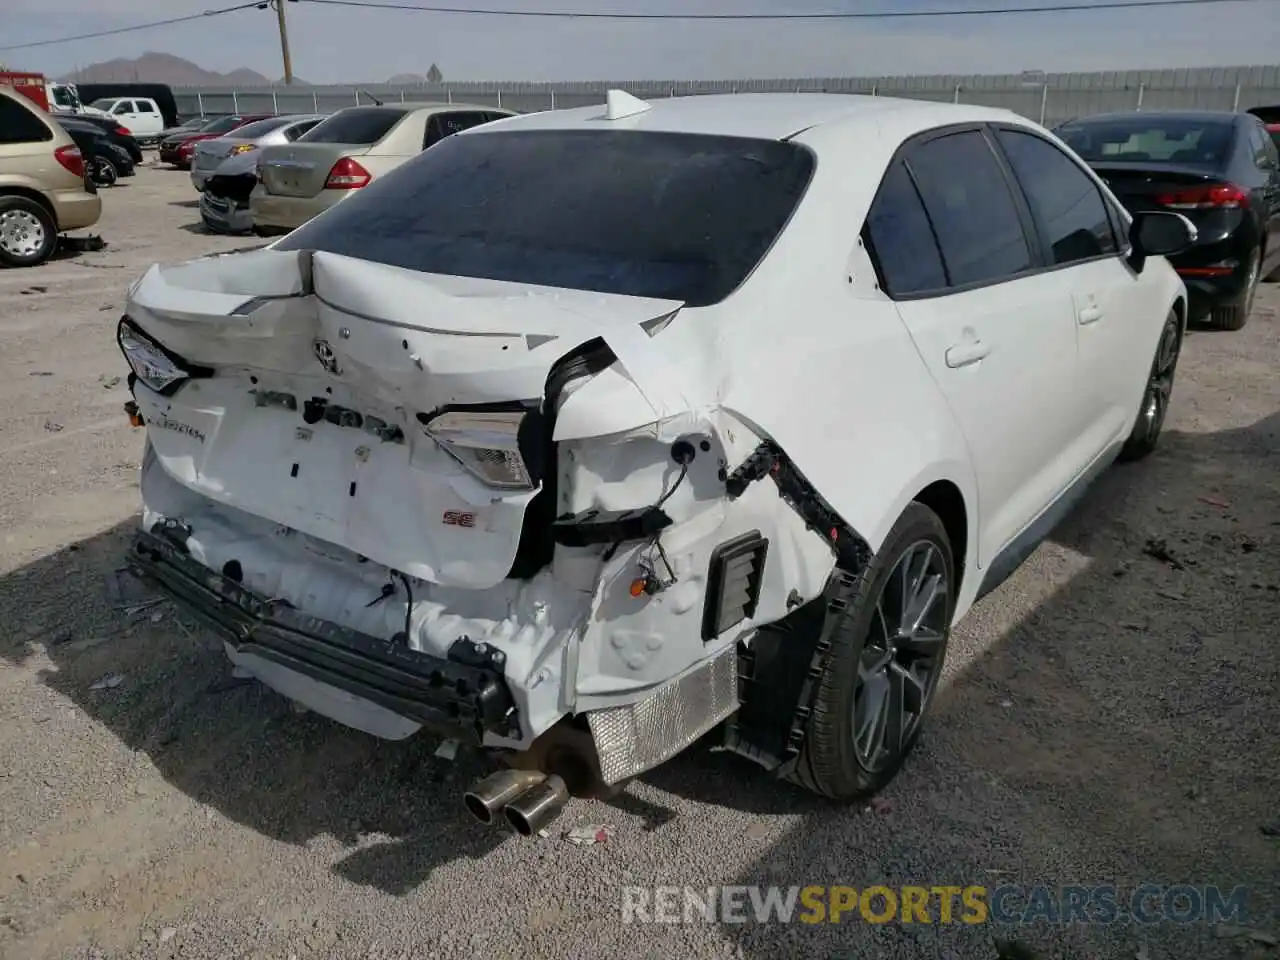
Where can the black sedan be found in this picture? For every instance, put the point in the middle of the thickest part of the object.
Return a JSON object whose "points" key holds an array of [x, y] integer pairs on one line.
{"points": [[1221, 170], [120, 136], [104, 162]]}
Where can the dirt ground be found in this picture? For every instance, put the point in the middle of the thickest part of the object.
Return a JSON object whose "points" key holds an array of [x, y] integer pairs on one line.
{"points": [[1109, 717]]}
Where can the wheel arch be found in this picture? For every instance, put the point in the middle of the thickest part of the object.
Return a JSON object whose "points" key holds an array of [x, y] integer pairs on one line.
{"points": [[945, 499], [17, 190]]}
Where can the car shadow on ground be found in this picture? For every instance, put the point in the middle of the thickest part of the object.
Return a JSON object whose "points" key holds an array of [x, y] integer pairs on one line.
{"points": [[1121, 731], [1111, 723]]}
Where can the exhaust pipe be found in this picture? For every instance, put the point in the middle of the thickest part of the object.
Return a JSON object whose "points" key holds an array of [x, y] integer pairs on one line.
{"points": [[495, 791], [537, 806]]}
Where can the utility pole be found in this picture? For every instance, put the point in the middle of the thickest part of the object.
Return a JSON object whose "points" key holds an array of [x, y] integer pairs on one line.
{"points": [[284, 35], [284, 43]]}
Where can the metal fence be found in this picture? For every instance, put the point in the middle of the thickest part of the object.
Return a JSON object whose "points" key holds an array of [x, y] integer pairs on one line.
{"points": [[1047, 98]]}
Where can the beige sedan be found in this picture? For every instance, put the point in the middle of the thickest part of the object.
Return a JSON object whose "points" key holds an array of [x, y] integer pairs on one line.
{"points": [[43, 189], [345, 152]]}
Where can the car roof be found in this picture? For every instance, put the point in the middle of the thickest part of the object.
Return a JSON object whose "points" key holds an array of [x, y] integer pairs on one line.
{"points": [[772, 116]]}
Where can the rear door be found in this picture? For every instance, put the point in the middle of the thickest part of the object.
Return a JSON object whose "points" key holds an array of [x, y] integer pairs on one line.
{"points": [[146, 117], [1116, 328], [957, 253]]}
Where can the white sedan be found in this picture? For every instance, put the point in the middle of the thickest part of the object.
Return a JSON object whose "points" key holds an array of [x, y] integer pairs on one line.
{"points": [[585, 433]]}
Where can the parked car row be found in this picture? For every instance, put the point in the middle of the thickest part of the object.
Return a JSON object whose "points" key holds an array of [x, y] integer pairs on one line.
{"points": [[273, 174]]}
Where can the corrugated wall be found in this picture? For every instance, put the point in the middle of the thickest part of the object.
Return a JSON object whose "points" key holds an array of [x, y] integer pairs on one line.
{"points": [[1049, 98]]}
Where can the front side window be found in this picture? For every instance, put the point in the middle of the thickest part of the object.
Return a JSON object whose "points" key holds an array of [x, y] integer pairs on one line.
{"points": [[973, 213], [902, 239], [667, 215], [1066, 203]]}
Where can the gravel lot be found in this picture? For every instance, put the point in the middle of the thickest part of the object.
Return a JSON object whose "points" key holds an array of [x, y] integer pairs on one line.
{"points": [[1109, 717]]}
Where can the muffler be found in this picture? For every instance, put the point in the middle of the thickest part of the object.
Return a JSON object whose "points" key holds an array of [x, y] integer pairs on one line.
{"points": [[537, 806], [494, 792]]}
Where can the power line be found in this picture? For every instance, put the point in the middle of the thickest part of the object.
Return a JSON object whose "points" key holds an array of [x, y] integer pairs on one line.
{"points": [[598, 15], [150, 25], [858, 15]]}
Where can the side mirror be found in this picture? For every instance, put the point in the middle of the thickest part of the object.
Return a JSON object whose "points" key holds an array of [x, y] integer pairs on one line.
{"points": [[1158, 233]]}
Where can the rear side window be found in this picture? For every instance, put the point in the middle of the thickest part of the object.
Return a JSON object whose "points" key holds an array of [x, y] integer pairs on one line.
{"points": [[668, 215], [441, 125], [20, 125], [973, 213], [902, 239], [362, 126], [1152, 139], [221, 125], [1067, 205], [260, 128], [298, 129]]}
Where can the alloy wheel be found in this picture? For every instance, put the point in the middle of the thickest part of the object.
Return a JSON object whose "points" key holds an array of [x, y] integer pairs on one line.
{"points": [[21, 233], [902, 656], [1155, 402]]}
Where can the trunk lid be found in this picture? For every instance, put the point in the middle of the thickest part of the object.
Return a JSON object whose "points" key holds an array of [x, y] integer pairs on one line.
{"points": [[1139, 185], [209, 153], [301, 169], [379, 346]]}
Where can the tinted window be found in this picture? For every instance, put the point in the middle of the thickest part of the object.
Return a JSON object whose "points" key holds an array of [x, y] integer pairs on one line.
{"points": [[1065, 201], [260, 128], [356, 125], [1138, 138], [20, 125], [441, 125], [1258, 143], [1273, 151], [972, 211], [902, 238], [678, 216], [143, 106], [298, 129]]}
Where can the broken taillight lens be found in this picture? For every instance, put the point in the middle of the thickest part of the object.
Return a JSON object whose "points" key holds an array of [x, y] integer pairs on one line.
{"points": [[149, 361], [486, 444]]}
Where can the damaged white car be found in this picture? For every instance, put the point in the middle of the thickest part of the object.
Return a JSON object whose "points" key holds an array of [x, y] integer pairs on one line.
{"points": [[586, 433]]}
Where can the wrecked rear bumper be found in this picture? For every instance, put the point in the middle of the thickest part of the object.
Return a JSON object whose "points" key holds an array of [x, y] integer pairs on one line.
{"points": [[464, 696]]}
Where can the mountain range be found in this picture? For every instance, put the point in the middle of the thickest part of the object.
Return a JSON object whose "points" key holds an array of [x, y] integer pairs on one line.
{"points": [[154, 67]]}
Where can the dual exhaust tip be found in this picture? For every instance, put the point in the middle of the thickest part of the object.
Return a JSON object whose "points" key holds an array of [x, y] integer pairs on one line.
{"points": [[529, 800]]}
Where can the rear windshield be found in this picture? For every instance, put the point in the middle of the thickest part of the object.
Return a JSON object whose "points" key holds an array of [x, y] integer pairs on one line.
{"points": [[356, 125], [104, 103], [260, 128], [221, 125], [679, 216], [1138, 139]]}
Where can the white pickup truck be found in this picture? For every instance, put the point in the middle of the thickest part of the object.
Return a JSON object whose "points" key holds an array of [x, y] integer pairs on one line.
{"points": [[141, 115]]}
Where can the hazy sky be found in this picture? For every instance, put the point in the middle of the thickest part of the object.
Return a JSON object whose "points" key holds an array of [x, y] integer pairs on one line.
{"points": [[334, 44]]}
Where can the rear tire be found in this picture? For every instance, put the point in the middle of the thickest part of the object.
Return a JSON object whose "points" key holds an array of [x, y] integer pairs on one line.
{"points": [[838, 759], [1235, 316], [28, 234], [1157, 394], [103, 171]]}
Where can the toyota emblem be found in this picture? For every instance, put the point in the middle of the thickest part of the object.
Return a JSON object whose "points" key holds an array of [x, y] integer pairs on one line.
{"points": [[328, 359]]}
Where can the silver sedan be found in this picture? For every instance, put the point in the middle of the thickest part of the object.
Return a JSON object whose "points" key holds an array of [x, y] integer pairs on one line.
{"points": [[270, 132]]}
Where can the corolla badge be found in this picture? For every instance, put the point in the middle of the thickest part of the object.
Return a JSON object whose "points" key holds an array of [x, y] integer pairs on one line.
{"points": [[328, 359]]}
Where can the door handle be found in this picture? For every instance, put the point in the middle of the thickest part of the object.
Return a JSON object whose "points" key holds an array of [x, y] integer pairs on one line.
{"points": [[1089, 315], [967, 353]]}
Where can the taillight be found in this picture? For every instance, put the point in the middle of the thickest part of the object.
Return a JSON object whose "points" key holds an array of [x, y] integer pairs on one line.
{"points": [[346, 174], [124, 131], [71, 158], [1218, 195], [187, 147]]}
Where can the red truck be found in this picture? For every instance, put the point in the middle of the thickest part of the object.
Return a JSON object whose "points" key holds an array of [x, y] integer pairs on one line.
{"points": [[31, 85]]}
